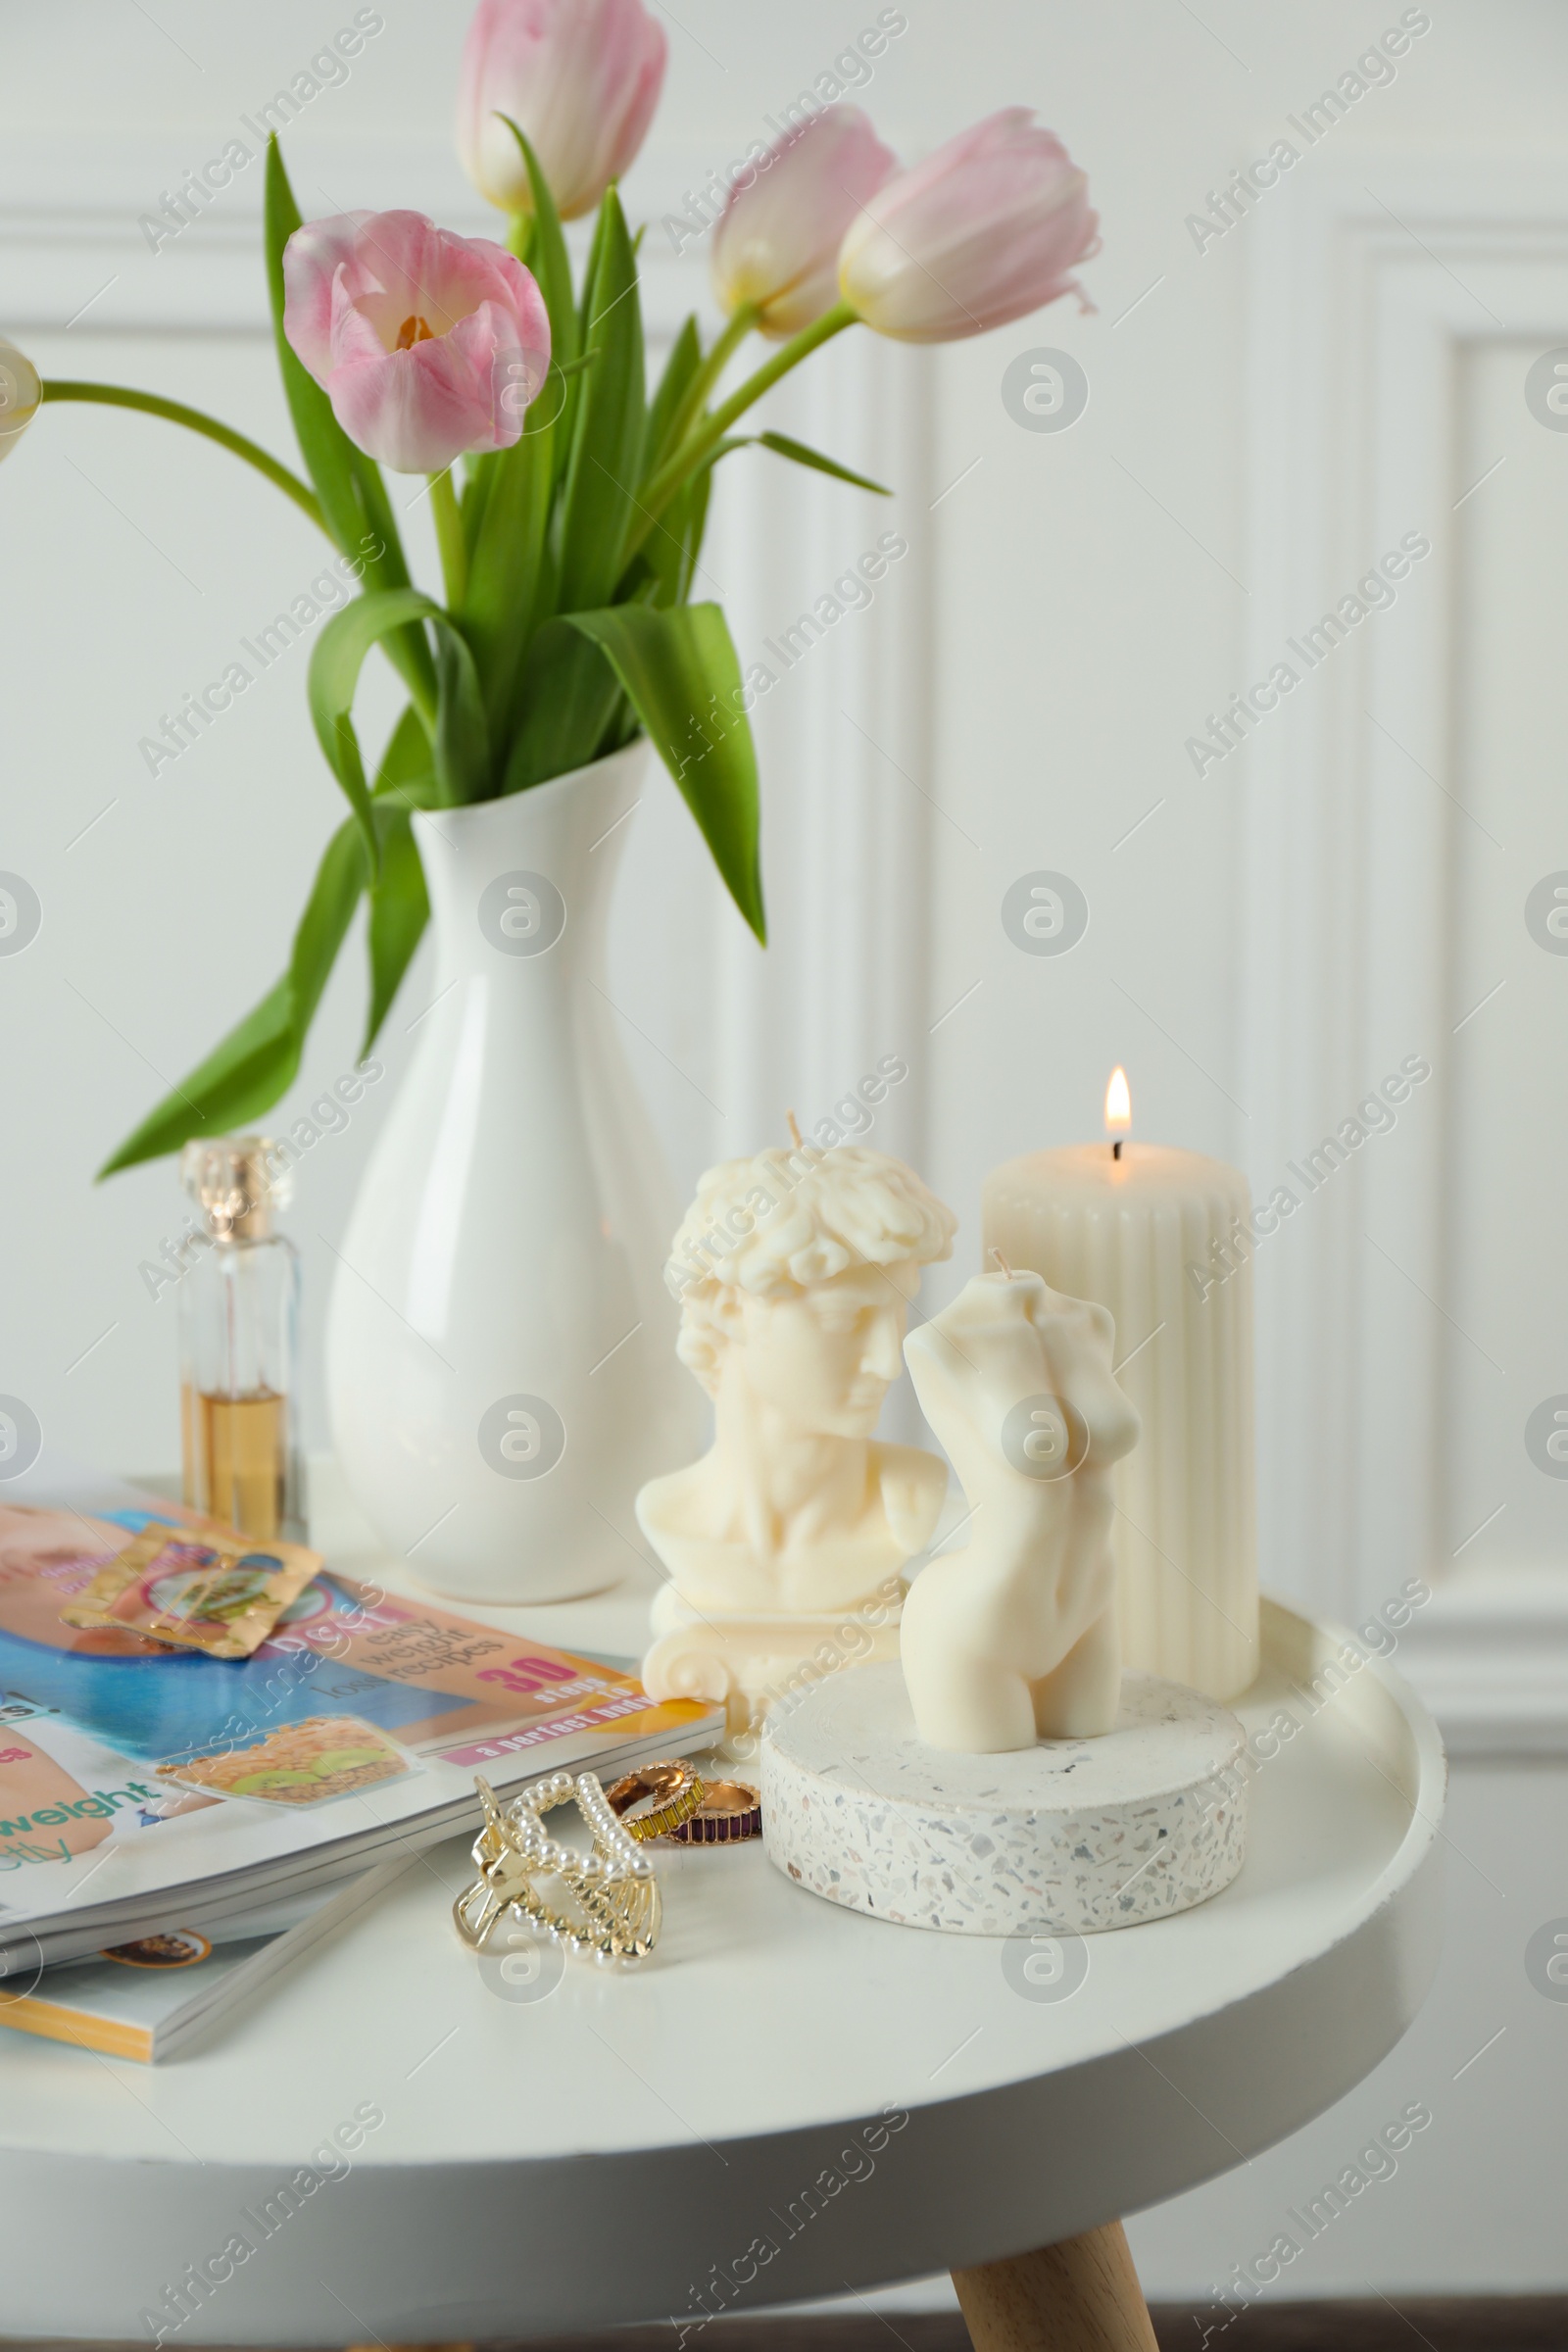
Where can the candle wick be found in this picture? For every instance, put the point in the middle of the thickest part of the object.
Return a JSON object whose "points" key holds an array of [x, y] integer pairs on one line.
{"points": [[795, 1132], [1115, 1148], [1002, 1263]]}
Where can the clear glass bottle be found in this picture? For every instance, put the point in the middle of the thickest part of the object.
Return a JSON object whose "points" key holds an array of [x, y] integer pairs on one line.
{"points": [[238, 1335]]}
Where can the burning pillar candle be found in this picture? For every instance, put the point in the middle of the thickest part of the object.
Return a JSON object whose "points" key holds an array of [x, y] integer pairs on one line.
{"points": [[1150, 1233]]}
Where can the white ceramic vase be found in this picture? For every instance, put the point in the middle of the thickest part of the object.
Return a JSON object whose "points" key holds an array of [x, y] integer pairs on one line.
{"points": [[500, 1346]]}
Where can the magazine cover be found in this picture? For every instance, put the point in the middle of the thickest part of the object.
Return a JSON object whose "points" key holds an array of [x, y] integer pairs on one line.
{"points": [[130, 1769]]}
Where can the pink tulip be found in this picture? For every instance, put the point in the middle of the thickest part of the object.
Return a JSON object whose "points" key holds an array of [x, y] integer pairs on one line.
{"points": [[579, 77], [983, 232], [777, 240], [428, 345]]}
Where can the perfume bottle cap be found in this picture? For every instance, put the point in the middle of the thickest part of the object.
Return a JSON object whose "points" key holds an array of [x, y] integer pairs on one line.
{"points": [[237, 1183]]}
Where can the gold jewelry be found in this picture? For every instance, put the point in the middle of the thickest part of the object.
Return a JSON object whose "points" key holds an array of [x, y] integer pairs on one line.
{"points": [[617, 1909], [676, 1784], [730, 1810]]}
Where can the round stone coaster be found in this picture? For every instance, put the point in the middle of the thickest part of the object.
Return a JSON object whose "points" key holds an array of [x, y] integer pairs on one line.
{"points": [[1068, 1837]]}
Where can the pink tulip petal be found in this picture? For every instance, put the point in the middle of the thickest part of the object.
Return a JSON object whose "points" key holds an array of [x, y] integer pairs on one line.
{"points": [[416, 409], [777, 240], [642, 97], [311, 260], [399, 410], [985, 230], [579, 77], [474, 321]]}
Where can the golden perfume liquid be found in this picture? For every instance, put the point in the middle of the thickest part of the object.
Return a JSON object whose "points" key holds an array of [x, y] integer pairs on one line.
{"points": [[236, 1458], [238, 1318]]}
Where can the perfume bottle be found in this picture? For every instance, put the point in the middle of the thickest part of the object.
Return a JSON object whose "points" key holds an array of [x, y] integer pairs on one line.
{"points": [[239, 1339]]}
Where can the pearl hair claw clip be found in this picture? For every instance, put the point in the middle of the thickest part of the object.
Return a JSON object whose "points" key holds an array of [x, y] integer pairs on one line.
{"points": [[605, 1902]]}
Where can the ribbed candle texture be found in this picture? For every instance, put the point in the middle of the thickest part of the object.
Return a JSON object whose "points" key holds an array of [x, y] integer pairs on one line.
{"points": [[1124, 1232]]}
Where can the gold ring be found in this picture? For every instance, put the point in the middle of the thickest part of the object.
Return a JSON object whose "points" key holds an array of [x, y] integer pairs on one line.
{"points": [[676, 1784], [730, 1810]]}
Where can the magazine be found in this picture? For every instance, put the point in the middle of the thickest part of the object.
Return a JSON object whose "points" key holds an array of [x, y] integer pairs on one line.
{"points": [[142, 1785], [154, 1999]]}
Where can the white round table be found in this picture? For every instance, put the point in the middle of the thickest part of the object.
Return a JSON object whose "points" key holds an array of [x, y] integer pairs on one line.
{"points": [[787, 2102]]}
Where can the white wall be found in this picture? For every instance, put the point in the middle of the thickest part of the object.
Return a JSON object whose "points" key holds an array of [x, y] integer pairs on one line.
{"points": [[1257, 948]]}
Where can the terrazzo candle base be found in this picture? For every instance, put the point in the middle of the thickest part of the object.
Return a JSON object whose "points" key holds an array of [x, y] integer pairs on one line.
{"points": [[1068, 1837]]}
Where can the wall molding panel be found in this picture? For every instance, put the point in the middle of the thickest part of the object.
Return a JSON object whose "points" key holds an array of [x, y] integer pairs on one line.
{"points": [[1370, 279]]}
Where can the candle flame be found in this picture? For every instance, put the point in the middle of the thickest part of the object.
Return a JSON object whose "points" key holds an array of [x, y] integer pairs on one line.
{"points": [[1118, 1102]]}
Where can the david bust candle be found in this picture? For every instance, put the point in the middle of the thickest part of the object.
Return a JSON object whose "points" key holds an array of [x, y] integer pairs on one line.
{"points": [[1121, 1223]]}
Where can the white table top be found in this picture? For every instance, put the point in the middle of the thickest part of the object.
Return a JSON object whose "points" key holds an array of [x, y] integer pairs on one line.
{"points": [[590, 2157]]}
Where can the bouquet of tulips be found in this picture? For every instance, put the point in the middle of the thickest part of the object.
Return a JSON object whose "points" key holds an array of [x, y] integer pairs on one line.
{"points": [[569, 541]]}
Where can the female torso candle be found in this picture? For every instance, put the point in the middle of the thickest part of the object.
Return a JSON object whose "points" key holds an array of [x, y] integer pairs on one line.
{"points": [[1122, 1224]]}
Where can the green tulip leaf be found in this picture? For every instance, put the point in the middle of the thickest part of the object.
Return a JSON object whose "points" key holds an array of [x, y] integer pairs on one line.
{"points": [[239, 1079], [461, 731], [693, 522], [328, 912], [603, 465], [405, 772], [508, 560], [260, 1058], [680, 672], [400, 908], [668, 555], [685, 358], [570, 702], [801, 454], [596, 249], [336, 659], [511, 490], [475, 498], [548, 258], [323, 445]]}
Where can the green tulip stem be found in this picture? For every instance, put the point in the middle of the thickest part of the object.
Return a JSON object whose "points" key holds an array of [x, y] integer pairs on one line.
{"points": [[713, 368], [667, 479], [116, 396], [789, 355], [449, 538]]}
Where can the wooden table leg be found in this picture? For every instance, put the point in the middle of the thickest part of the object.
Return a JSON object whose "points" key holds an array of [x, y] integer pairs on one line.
{"points": [[1081, 2296]]}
